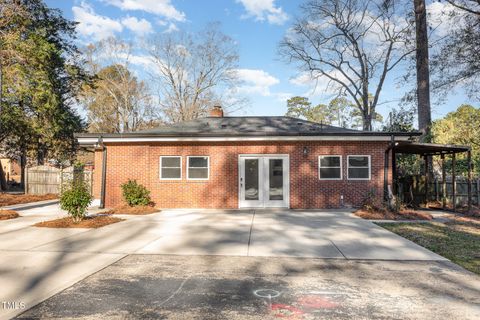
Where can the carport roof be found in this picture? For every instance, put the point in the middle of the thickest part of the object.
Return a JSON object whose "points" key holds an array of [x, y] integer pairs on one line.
{"points": [[428, 149]]}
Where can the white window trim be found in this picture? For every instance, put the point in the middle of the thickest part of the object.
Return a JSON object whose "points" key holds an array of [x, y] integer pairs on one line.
{"points": [[208, 168], [341, 166], [160, 166], [369, 166]]}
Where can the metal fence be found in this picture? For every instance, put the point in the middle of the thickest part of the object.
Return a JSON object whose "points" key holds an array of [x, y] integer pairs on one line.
{"points": [[415, 186], [46, 179]]}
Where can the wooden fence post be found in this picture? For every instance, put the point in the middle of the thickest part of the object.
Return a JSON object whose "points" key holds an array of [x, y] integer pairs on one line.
{"points": [[454, 181], [469, 180], [478, 192], [26, 181], [444, 183]]}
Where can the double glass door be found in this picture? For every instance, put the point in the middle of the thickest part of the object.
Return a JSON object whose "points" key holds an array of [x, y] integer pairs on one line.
{"points": [[263, 181]]}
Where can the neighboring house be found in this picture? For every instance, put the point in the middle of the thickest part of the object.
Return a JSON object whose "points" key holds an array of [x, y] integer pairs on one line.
{"points": [[11, 169], [235, 162]]}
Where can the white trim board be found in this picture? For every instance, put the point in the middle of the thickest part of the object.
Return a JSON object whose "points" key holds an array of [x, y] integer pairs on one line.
{"points": [[94, 141]]}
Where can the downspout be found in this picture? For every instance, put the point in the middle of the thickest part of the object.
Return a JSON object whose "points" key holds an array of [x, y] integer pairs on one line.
{"points": [[104, 173]]}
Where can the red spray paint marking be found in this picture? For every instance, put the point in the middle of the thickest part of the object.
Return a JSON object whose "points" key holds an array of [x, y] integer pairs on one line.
{"points": [[316, 302], [286, 311]]}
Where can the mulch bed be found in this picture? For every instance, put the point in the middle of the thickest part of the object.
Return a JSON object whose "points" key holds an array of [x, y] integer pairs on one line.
{"points": [[137, 210], [8, 214], [388, 215], [87, 222], [7, 199]]}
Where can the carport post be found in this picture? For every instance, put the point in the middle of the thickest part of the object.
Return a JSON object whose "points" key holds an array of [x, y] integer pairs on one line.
{"points": [[385, 177], [469, 181], [425, 159], [394, 172], [454, 189], [444, 182]]}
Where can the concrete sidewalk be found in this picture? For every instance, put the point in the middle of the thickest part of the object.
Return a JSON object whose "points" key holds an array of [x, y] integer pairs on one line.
{"points": [[38, 262]]}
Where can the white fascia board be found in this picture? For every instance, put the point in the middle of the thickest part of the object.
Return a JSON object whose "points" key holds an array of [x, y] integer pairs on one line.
{"points": [[94, 141]]}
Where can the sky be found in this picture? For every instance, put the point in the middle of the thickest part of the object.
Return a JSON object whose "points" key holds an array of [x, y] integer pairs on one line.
{"points": [[256, 25]]}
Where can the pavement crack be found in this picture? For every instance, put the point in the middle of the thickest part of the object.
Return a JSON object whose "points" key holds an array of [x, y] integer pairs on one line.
{"points": [[333, 243], [175, 293], [250, 235]]}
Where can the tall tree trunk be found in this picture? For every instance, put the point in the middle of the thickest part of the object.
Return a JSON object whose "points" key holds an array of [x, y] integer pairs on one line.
{"points": [[423, 72], [3, 181], [40, 154]]}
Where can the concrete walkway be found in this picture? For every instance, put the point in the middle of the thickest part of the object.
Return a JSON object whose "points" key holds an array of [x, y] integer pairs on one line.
{"points": [[36, 263]]}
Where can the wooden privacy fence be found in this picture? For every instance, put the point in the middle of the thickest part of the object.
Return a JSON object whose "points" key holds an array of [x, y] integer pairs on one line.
{"points": [[46, 179], [416, 186]]}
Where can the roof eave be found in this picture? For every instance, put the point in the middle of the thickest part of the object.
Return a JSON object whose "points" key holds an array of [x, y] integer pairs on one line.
{"points": [[188, 135]]}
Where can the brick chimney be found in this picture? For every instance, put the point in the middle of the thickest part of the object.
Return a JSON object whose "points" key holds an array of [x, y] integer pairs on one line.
{"points": [[216, 112]]}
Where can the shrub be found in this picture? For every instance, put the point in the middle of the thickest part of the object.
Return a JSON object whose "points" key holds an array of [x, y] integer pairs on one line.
{"points": [[371, 202], [75, 199], [135, 194]]}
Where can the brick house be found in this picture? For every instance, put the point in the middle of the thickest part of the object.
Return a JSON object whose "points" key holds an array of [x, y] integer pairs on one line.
{"points": [[235, 162]]}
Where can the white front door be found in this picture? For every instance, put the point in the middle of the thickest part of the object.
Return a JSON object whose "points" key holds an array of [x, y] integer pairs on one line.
{"points": [[263, 181]]}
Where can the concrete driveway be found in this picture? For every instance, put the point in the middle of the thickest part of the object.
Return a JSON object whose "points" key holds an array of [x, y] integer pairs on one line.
{"points": [[221, 287], [279, 233], [36, 263]]}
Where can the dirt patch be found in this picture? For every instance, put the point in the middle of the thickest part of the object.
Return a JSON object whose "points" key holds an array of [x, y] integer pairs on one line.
{"points": [[405, 214], [138, 210], [474, 211], [467, 219], [88, 222], [8, 214], [7, 199]]}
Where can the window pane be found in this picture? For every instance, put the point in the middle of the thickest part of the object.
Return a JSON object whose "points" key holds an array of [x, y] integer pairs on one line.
{"points": [[329, 173], [198, 162], [358, 161], [276, 179], [198, 173], [358, 173], [170, 162], [330, 161], [171, 173], [251, 179]]}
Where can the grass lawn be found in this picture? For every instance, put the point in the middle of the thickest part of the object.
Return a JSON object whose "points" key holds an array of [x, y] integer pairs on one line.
{"points": [[458, 241]]}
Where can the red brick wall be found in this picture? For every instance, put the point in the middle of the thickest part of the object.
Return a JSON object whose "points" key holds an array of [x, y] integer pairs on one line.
{"points": [[141, 162]]}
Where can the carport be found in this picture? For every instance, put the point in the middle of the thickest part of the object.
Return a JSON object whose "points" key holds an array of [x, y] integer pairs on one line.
{"points": [[426, 150]]}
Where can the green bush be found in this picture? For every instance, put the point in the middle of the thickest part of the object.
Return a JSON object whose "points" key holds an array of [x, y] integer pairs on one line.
{"points": [[75, 199], [135, 194]]}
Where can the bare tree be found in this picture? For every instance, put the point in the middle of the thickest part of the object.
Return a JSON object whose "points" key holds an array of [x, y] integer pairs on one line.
{"points": [[194, 71], [116, 101], [456, 63], [352, 44]]}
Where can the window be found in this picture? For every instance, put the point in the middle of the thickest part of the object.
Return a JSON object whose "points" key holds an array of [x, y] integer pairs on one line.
{"points": [[330, 167], [359, 167], [198, 168], [171, 168]]}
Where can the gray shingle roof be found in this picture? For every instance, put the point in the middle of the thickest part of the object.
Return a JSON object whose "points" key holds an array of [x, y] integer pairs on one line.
{"points": [[244, 126], [241, 126]]}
